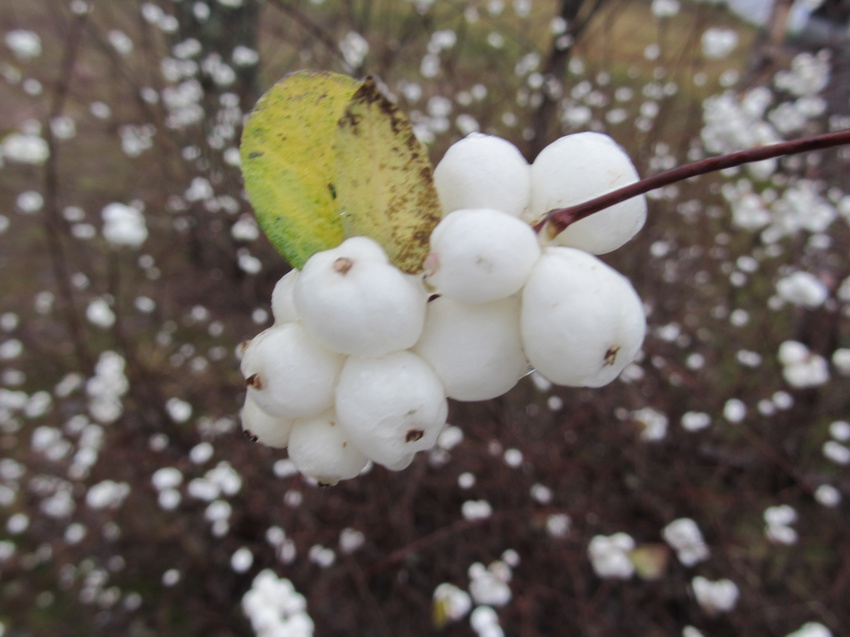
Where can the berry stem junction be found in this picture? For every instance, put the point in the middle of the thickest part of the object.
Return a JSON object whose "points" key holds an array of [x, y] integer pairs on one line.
{"points": [[559, 219]]}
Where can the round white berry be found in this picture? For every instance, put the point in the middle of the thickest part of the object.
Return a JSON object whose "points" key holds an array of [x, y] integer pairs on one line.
{"points": [[391, 407], [283, 307], [483, 171], [581, 321], [474, 348], [321, 450], [289, 374], [258, 426], [364, 248], [577, 168], [479, 255], [357, 303]]}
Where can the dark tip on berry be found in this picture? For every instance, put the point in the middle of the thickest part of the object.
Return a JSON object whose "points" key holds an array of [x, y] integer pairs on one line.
{"points": [[254, 381], [243, 346], [413, 435], [326, 485], [342, 265], [611, 355], [250, 435]]}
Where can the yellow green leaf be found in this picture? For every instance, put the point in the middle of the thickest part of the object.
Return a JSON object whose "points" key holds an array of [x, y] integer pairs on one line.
{"points": [[650, 560], [439, 613], [384, 179], [288, 162]]}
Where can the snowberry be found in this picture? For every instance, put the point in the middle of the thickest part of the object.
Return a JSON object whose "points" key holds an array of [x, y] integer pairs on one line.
{"points": [[609, 555], [289, 374], [355, 302], [483, 171], [577, 168], [264, 428], [364, 248], [715, 597], [320, 449], [391, 406], [581, 321], [480, 254], [283, 306], [474, 348]]}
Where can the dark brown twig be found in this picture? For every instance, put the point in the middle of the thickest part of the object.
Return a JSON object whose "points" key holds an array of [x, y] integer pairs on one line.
{"points": [[53, 218]]}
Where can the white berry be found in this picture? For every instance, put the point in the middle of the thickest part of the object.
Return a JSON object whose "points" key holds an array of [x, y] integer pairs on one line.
{"points": [[355, 302], [581, 322], [391, 407], [474, 348], [321, 450], [580, 167], [283, 307], [479, 255], [483, 171], [264, 428], [289, 374]]}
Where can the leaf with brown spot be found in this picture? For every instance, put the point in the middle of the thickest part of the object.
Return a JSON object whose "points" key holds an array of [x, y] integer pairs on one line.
{"points": [[384, 181], [288, 162]]}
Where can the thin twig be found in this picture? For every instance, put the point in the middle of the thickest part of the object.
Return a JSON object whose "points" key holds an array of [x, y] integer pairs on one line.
{"points": [[559, 219], [53, 219]]}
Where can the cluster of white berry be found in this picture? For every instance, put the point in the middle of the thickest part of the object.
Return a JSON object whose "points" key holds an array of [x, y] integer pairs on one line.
{"points": [[362, 357]]}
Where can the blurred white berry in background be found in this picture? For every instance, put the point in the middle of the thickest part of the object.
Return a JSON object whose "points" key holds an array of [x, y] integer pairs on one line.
{"points": [[485, 622], [489, 585], [450, 604], [25, 45], [717, 43], [801, 367], [802, 288], [275, 608], [684, 536], [609, 555], [811, 629], [25, 148], [778, 520], [124, 225], [715, 597]]}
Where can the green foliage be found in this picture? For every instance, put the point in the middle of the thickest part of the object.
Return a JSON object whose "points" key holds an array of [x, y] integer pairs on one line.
{"points": [[384, 179], [325, 157], [288, 162]]}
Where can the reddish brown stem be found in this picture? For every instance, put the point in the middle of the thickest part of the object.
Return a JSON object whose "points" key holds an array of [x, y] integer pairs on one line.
{"points": [[561, 218]]}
